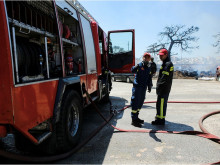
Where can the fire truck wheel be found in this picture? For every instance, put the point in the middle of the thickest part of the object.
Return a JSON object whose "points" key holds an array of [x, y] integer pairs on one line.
{"points": [[128, 80], [107, 91], [105, 98], [69, 128]]}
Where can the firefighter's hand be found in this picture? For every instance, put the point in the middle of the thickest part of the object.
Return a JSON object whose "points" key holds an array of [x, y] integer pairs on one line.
{"points": [[137, 66], [149, 90]]}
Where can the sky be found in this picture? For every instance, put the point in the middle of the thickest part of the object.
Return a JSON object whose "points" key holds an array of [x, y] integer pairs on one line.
{"points": [[148, 18]]}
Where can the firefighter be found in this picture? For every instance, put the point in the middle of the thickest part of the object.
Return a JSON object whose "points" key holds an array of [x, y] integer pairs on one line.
{"points": [[153, 67], [164, 84], [218, 73], [142, 82]]}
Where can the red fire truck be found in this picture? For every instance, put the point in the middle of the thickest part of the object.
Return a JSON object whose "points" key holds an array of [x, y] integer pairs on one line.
{"points": [[51, 53]]}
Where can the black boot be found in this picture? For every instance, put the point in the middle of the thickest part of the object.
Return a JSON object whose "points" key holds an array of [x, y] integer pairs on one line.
{"points": [[136, 123], [140, 121], [158, 122]]}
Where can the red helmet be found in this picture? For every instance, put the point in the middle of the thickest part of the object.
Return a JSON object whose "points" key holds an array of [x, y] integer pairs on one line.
{"points": [[163, 52], [146, 54]]}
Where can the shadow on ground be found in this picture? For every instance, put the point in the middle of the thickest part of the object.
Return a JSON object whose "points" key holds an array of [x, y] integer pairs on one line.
{"points": [[94, 151], [169, 126]]}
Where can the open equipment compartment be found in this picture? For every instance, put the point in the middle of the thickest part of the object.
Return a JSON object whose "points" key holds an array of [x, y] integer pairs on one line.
{"points": [[71, 38], [35, 41]]}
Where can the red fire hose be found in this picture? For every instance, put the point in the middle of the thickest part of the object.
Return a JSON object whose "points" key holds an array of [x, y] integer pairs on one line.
{"points": [[203, 118], [204, 134]]}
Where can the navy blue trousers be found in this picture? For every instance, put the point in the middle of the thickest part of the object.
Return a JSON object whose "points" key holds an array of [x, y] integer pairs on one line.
{"points": [[137, 100], [162, 105]]}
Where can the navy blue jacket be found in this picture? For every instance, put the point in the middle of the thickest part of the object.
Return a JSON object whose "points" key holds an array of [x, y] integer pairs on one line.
{"points": [[143, 76]]}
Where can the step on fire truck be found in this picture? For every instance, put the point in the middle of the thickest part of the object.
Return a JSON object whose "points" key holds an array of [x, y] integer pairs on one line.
{"points": [[51, 53]]}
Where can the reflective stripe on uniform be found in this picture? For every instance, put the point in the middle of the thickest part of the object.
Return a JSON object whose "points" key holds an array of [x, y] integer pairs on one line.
{"points": [[161, 117], [171, 68], [164, 72], [161, 109], [134, 111], [161, 67]]}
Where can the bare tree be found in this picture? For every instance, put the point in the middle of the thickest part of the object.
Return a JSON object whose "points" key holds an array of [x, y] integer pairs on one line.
{"points": [[217, 43], [178, 36], [154, 48]]}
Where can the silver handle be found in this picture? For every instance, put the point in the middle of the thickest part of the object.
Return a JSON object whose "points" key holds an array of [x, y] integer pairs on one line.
{"points": [[20, 30]]}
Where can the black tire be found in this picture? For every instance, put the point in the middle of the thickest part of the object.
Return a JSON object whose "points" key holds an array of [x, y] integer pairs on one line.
{"points": [[128, 80], [69, 127], [105, 99]]}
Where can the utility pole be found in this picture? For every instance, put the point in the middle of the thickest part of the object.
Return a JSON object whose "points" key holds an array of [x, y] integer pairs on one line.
{"points": [[128, 45]]}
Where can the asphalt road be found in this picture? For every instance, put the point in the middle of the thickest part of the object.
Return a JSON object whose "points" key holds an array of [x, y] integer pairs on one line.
{"points": [[112, 147]]}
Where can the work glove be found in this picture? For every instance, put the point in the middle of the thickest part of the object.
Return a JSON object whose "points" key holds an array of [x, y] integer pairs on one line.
{"points": [[137, 66]]}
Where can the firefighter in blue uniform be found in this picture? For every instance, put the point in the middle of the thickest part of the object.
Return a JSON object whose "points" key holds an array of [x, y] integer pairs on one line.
{"points": [[142, 82], [164, 83]]}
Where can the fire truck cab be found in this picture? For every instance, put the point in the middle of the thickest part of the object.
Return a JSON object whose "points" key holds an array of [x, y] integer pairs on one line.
{"points": [[51, 53]]}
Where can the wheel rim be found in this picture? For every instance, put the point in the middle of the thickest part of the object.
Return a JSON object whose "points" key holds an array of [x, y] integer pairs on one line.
{"points": [[73, 120]]}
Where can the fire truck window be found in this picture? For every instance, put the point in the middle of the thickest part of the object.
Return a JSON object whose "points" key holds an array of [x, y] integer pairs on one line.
{"points": [[100, 32], [89, 45], [120, 50], [100, 47], [34, 40], [120, 42]]}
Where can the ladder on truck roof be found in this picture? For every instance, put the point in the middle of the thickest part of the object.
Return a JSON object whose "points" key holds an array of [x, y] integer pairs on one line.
{"points": [[81, 9]]}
